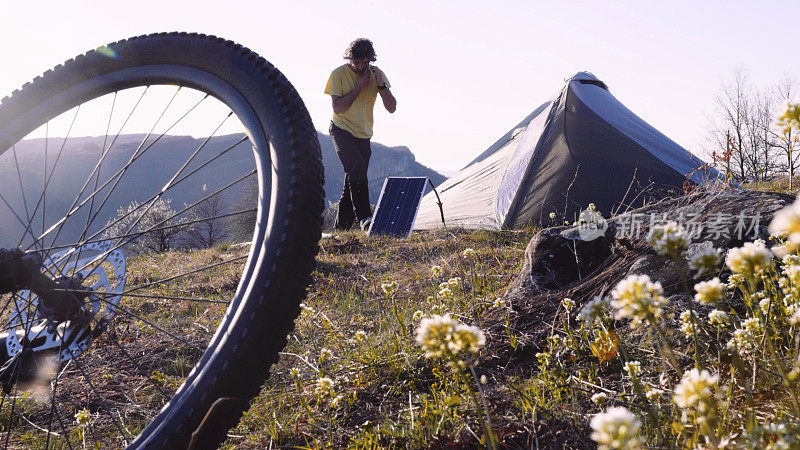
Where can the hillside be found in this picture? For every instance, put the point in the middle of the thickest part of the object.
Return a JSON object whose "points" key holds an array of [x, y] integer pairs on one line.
{"points": [[80, 155]]}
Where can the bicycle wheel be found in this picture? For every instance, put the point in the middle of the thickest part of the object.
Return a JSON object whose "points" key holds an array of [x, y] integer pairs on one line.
{"points": [[176, 324]]}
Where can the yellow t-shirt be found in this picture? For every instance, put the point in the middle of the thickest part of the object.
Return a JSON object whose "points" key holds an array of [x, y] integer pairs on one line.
{"points": [[357, 119]]}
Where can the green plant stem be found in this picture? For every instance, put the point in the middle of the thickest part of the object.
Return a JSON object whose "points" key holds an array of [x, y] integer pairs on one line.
{"points": [[491, 438], [396, 315], [681, 263]]}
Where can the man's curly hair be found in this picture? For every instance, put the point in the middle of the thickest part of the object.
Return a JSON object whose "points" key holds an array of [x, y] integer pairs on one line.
{"points": [[360, 48]]}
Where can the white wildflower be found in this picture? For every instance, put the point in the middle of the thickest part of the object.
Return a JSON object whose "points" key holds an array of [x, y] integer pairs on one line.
{"points": [[599, 399], [436, 271], [710, 291], [687, 325], [639, 299], [467, 339], [617, 428], [594, 309], [749, 259], [791, 260], [294, 372], [765, 305], [742, 340], [669, 239], [468, 253], [653, 394], [552, 215], [696, 396], [324, 386], [753, 325], [792, 273], [735, 280], [633, 368], [718, 318], [440, 335], [484, 380], [787, 222], [795, 318], [567, 303], [706, 261], [389, 288], [83, 417], [360, 336], [499, 302], [454, 282], [325, 355]]}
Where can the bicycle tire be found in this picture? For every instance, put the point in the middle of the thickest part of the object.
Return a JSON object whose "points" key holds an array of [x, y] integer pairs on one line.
{"points": [[255, 326]]}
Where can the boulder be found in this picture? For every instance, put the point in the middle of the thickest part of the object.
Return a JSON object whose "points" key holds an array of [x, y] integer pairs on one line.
{"points": [[575, 262]]}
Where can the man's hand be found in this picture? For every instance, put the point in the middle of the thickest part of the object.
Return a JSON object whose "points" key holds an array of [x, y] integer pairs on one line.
{"points": [[377, 73], [363, 81]]}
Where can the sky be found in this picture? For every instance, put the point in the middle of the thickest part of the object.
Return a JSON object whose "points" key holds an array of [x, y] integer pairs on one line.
{"points": [[463, 72]]}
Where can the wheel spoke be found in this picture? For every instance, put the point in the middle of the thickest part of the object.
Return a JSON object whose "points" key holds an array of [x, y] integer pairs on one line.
{"points": [[21, 187], [103, 154], [133, 361], [116, 177], [96, 171], [53, 169], [171, 183], [164, 280], [151, 324], [166, 227], [25, 225], [44, 171], [154, 297], [54, 408], [102, 257], [104, 402]]}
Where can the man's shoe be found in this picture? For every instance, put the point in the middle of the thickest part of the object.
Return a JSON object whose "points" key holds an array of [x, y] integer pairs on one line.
{"points": [[366, 223]]}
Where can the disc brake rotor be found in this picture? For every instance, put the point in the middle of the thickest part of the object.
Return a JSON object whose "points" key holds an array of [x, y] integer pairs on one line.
{"points": [[103, 274]]}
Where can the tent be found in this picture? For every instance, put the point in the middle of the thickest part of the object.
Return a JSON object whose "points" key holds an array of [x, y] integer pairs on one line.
{"points": [[581, 147]]}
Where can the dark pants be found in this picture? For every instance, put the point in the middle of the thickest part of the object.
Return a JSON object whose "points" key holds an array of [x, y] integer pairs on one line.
{"points": [[354, 154]]}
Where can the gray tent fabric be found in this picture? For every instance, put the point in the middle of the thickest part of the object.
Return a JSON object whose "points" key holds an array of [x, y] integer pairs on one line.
{"points": [[582, 147]]}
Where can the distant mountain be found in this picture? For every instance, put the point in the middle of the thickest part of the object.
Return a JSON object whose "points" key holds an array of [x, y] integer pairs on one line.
{"points": [[148, 174]]}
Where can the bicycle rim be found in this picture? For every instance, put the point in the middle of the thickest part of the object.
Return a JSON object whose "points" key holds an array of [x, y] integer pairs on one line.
{"points": [[175, 306]]}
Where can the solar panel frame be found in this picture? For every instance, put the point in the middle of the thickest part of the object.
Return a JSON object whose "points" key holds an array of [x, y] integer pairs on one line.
{"points": [[416, 196]]}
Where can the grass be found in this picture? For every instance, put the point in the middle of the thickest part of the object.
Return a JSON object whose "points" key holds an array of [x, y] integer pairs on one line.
{"points": [[385, 392], [354, 374]]}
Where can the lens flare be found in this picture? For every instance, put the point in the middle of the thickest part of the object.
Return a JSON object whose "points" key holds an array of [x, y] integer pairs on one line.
{"points": [[106, 51]]}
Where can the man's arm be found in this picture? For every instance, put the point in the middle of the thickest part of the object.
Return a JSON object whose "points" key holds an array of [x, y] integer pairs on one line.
{"points": [[342, 103], [389, 102]]}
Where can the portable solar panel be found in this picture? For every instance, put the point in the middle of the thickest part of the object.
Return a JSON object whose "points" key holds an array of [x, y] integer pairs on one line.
{"points": [[397, 206]]}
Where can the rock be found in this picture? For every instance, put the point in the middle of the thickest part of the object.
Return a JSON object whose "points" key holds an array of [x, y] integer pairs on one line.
{"points": [[560, 263]]}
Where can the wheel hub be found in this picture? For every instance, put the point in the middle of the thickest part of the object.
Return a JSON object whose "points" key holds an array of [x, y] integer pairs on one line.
{"points": [[95, 273]]}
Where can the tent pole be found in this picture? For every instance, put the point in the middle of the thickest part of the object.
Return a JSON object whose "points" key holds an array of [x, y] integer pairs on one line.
{"points": [[438, 202]]}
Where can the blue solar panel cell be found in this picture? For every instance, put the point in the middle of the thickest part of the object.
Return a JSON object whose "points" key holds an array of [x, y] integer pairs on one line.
{"points": [[397, 206]]}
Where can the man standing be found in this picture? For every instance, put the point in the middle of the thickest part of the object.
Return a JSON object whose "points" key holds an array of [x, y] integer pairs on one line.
{"points": [[353, 88]]}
